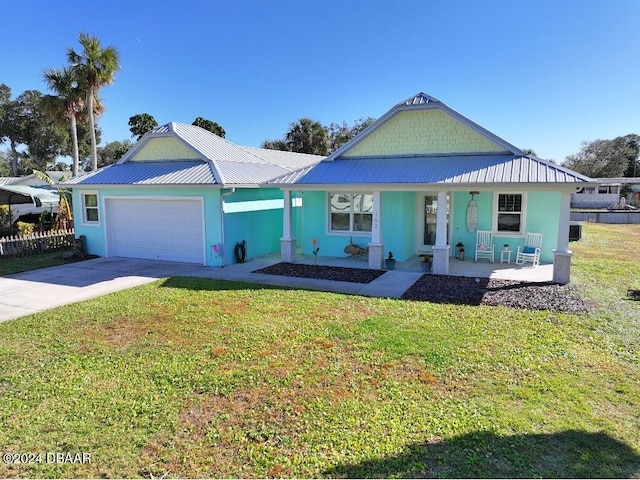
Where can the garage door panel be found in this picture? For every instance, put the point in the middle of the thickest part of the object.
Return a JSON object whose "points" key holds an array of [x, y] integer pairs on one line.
{"points": [[155, 229]]}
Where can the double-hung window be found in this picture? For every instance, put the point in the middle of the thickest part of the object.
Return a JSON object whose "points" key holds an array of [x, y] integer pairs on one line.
{"points": [[350, 212], [90, 212], [509, 217]]}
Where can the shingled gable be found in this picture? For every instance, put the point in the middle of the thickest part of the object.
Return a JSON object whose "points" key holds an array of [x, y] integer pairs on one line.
{"points": [[425, 103], [485, 160]]}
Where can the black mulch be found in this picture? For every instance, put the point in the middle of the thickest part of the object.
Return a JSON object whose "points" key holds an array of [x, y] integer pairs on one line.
{"points": [[322, 272], [453, 289], [492, 291]]}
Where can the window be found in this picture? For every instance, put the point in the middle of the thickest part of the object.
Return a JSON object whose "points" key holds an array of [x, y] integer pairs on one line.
{"points": [[350, 212], [509, 213], [90, 208]]}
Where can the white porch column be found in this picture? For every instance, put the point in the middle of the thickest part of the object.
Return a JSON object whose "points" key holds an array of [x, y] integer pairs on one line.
{"points": [[376, 247], [441, 249], [562, 255], [287, 242]]}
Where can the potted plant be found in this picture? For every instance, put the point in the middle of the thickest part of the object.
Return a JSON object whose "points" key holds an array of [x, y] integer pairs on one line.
{"points": [[425, 265], [506, 246], [390, 262]]}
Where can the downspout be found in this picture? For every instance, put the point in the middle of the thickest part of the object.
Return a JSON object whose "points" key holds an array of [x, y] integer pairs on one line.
{"points": [[224, 255]]}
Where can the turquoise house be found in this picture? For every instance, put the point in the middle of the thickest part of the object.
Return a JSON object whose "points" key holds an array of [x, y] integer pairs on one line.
{"points": [[184, 194], [406, 185]]}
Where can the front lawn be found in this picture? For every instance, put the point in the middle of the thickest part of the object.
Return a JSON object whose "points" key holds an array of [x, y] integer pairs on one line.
{"points": [[199, 378], [9, 265]]}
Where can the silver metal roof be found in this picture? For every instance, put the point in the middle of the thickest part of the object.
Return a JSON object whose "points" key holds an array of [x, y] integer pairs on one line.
{"points": [[446, 169], [288, 160], [222, 162], [149, 173]]}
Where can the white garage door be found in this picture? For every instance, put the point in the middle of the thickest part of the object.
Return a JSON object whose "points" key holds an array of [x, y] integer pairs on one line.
{"points": [[157, 229]]}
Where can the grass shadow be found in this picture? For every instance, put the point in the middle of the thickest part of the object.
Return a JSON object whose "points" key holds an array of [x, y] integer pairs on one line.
{"points": [[568, 454], [214, 284], [633, 295]]}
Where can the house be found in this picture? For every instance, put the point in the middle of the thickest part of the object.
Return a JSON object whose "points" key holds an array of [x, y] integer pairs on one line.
{"points": [[184, 194], [405, 184], [606, 193]]}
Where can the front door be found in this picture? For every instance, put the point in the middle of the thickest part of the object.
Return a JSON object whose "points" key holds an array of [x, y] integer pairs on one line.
{"points": [[427, 221]]}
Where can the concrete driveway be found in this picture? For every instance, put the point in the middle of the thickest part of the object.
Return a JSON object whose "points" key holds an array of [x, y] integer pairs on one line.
{"points": [[38, 290]]}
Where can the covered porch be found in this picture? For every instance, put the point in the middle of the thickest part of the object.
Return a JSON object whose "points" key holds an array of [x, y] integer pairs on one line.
{"points": [[443, 227]]}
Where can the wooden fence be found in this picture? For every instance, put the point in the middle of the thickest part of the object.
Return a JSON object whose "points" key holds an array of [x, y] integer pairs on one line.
{"points": [[23, 245]]}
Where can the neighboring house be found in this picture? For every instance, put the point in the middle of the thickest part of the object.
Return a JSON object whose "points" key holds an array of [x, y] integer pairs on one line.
{"points": [[184, 194], [405, 183], [606, 194]]}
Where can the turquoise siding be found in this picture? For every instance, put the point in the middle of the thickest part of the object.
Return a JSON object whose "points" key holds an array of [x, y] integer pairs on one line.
{"points": [[543, 210], [398, 223], [261, 228], [399, 226], [397, 215]]}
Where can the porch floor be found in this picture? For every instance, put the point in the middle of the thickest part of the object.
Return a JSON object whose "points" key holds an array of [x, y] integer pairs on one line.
{"points": [[466, 268]]}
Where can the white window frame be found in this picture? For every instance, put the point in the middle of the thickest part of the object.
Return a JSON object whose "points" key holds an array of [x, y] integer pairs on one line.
{"points": [[351, 231], [85, 220], [523, 215]]}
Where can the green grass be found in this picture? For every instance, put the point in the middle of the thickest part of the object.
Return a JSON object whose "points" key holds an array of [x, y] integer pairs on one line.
{"points": [[31, 262], [199, 378]]}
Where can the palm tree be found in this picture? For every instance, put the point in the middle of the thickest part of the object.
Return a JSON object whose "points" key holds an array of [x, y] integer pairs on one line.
{"points": [[95, 67], [67, 102], [307, 136]]}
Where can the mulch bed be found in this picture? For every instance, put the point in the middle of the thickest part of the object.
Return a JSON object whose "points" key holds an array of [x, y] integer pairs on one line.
{"points": [[322, 272], [493, 291], [453, 289]]}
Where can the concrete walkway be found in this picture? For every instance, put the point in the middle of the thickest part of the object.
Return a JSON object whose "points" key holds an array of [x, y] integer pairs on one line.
{"points": [[38, 290]]}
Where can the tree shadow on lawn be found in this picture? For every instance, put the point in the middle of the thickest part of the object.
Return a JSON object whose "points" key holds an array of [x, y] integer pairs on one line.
{"points": [[569, 454], [214, 284], [633, 295]]}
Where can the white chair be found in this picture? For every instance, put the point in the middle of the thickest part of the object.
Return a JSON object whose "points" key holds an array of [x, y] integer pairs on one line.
{"points": [[484, 245], [530, 251]]}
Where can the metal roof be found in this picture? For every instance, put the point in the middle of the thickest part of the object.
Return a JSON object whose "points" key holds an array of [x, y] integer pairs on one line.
{"points": [[288, 160], [149, 173], [434, 169], [36, 194], [222, 162]]}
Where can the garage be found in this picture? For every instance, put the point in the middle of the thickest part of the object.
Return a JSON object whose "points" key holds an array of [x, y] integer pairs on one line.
{"points": [[158, 228]]}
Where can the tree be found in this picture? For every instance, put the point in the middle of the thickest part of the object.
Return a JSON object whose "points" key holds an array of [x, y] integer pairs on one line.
{"points": [[141, 124], [24, 122], [339, 134], [602, 158], [68, 103], [109, 154], [633, 148], [307, 136], [276, 144], [213, 127], [95, 67]]}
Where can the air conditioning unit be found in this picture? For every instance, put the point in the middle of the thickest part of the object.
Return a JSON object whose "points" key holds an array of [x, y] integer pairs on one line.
{"points": [[575, 231]]}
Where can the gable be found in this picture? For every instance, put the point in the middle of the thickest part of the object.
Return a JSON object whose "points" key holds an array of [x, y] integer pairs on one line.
{"points": [[424, 131], [167, 148]]}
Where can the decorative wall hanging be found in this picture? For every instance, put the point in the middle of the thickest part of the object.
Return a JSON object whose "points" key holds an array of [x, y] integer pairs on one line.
{"points": [[472, 213]]}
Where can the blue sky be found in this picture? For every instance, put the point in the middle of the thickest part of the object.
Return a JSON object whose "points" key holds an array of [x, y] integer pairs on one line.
{"points": [[545, 75]]}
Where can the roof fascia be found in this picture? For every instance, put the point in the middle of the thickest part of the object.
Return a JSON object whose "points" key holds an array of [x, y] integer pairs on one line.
{"points": [[428, 187]]}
